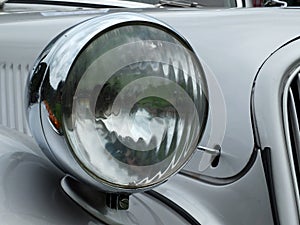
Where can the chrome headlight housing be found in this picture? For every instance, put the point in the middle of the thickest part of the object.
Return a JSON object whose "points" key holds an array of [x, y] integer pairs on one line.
{"points": [[118, 101]]}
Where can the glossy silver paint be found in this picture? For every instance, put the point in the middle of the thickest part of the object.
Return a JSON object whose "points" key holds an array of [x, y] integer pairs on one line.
{"points": [[213, 55], [272, 83], [29, 186], [244, 201], [30, 192], [228, 37], [230, 43]]}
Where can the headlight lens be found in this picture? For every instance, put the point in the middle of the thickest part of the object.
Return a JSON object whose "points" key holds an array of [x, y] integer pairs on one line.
{"points": [[133, 106]]}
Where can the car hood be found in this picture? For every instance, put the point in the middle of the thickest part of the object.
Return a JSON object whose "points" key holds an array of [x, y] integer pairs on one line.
{"points": [[232, 43]]}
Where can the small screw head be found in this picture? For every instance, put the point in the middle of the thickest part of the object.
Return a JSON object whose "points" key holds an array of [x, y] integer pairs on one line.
{"points": [[124, 203]]}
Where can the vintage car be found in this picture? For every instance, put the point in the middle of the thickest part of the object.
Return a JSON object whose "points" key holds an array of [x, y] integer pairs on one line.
{"points": [[116, 112]]}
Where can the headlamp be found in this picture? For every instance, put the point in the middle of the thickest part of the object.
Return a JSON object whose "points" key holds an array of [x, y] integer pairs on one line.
{"points": [[119, 102]]}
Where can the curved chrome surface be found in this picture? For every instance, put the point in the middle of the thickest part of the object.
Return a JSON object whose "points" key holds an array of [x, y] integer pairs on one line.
{"points": [[286, 123], [239, 3], [49, 76]]}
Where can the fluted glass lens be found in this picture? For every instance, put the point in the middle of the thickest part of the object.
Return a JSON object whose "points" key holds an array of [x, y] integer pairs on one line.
{"points": [[135, 106]]}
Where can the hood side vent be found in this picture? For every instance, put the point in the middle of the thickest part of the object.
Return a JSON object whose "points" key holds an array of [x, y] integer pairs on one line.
{"points": [[12, 87]]}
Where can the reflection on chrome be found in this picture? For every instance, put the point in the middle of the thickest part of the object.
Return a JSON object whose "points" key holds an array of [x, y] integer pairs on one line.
{"points": [[127, 102]]}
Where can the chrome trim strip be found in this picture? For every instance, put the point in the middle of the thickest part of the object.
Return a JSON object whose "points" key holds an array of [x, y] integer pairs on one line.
{"points": [[267, 164], [239, 4], [285, 115], [294, 122], [87, 3]]}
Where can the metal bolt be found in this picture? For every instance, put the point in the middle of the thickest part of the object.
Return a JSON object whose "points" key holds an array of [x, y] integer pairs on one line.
{"points": [[124, 202]]}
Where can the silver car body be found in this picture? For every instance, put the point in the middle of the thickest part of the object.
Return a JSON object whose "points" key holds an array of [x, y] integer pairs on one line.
{"points": [[252, 54]]}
